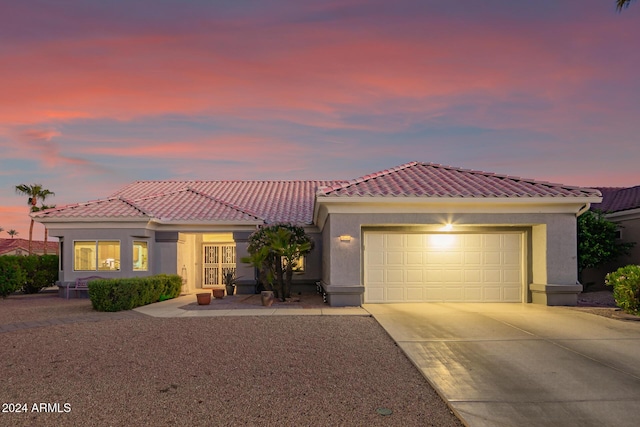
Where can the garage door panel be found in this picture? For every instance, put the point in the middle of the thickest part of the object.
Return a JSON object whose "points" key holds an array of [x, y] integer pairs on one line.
{"points": [[492, 258], [394, 258], [444, 267], [491, 276], [414, 258], [415, 294], [473, 241], [394, 241], [453, 276], [472, 258], [375, 294], [395, 294], [453, 293], [511, 295], [511, 275], [492, 241], [511, 242], [472, 276], [415, 241], [414, 276], [492, 293], [394, 276], [511, 258], [473, 294]]}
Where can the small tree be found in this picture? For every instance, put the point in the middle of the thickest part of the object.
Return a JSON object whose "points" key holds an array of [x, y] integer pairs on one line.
{"points": [[597, 243], [12, 233], [274, 250]]}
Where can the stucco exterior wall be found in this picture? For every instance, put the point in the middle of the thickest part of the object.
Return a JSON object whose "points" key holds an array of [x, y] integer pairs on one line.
{"points": [[552, 243], [126, 236]]}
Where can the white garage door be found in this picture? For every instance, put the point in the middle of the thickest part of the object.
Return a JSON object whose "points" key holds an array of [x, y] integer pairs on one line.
{"points": [[401, 267]]}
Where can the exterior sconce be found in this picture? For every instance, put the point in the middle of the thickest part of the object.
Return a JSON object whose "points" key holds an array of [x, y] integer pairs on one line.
{"points": [[345, 238]]}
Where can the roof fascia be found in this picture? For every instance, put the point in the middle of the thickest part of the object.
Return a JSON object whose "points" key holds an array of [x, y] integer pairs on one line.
{"points": [[627, 214], [440, 204]]}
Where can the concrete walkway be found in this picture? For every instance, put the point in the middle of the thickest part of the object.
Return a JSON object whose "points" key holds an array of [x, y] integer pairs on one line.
{"points": [[522, 364], [172, 308]]}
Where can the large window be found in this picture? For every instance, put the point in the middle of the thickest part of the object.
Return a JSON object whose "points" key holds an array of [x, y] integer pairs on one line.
{"points": [[92, 255], [140, 256]]}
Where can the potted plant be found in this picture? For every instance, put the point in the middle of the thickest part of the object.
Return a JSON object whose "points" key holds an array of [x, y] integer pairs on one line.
{"points": [[230, 280], [204, 298]]}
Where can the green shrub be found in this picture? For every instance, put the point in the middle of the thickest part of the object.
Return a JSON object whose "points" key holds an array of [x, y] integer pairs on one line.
{"points": [[12, 277], [626, 288], [41, 272], [126, 294]]}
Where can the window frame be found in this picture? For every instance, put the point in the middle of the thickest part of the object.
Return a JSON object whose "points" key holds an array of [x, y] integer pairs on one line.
{"points": [[145, 263], [96, 259]]}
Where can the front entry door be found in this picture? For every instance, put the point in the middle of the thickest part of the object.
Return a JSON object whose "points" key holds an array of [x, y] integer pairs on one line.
{"points": [[218, 260]]}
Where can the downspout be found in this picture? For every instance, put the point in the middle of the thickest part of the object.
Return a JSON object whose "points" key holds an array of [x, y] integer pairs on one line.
{"points": [[583, 209]]}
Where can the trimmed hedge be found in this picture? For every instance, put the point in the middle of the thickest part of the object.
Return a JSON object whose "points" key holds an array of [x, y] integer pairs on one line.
{"points": [[27, 273], [126, 294], [626, 288]]}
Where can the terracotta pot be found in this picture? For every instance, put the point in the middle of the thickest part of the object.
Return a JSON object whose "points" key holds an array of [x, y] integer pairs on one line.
{"points": [[204, 298], [218, 293], [267, 298]]}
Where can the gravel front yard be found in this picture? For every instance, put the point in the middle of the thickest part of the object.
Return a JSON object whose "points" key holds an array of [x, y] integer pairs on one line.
{"points": [[217, 371]]}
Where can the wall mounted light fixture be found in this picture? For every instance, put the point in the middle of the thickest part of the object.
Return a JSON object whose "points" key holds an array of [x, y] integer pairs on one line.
{"points": [[345, 238]]}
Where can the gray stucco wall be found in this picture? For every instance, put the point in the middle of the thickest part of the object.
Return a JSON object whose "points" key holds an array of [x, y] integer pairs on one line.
{"points": [[126, 236], [553, 246]]}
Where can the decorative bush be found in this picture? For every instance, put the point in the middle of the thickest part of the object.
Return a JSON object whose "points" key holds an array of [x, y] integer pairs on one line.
{"points": [[626, 288], [12, 277], [41, 272], [126, 294]]}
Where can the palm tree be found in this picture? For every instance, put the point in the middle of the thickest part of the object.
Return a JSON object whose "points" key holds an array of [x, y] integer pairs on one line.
{"points": [[35, 192], [12, 233], [622, 4], [44, 207]]}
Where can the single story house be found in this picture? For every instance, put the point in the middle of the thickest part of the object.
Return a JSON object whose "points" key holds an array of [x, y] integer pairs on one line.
{"points": [[19, 246], [419, 232], [622, 206]]}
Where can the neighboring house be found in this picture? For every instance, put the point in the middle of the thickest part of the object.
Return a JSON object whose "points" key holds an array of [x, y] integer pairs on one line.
{"points": [[21, 247], [417, 232], [622, 206]]}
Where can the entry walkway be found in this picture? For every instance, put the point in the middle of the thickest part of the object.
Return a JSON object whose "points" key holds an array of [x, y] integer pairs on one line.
{"points": [[172, 308], [522, 364]]}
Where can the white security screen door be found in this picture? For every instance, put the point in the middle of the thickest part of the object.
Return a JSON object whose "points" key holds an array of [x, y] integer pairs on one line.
{"points": [[217, 260]]}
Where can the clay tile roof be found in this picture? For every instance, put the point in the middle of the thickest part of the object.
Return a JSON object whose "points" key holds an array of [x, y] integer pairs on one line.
{"points": [[191, 205], [293, 201], [618, 199], [227, 201], [37, 246], [113, 207], [433, 180]]}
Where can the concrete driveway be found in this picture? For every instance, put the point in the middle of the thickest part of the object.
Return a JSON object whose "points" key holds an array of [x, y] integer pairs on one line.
{"points": [[522, 364]]}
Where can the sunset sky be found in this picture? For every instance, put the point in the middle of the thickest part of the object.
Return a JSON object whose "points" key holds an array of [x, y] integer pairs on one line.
{"points": [[95, 94]]}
